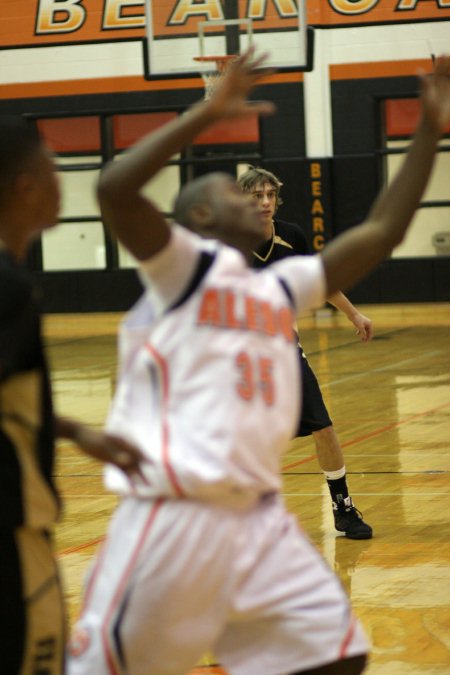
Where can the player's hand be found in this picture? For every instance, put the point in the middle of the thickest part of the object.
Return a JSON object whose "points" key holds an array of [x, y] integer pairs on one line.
{"points": [[230, 98], [363, 325], [112, 449], [436, 95], [102, 445]]}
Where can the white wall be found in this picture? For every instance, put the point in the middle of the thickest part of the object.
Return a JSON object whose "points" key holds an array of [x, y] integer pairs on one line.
{"points": [[427, 221]]}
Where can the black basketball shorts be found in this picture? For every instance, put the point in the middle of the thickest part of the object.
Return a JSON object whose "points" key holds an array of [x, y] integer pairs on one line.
{"points": [[314, 414]]}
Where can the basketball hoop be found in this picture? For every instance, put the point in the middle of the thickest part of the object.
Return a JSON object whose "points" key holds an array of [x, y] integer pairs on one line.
{"points": [[212, 77]]}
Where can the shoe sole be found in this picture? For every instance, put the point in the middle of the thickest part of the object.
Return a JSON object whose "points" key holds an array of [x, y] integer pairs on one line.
{"points": [[362, 535]]}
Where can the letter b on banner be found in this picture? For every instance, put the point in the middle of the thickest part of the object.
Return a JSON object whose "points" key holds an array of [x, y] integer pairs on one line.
{"points": [[59, 16]]}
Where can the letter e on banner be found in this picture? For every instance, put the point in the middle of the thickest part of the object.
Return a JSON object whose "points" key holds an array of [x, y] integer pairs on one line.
{"points": [[115, 14]]}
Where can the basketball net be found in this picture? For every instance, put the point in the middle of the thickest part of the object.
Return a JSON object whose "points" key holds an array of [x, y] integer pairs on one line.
{"points": [[211, 78]]}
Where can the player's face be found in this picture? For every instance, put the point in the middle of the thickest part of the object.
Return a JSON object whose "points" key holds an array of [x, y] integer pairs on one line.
{"points": [[265, 197], [237, 216]]}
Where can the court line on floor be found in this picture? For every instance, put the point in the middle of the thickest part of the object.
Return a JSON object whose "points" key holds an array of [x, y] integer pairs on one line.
{"points": [[421, 472], [376, 432], [403, 494], [351, 343], [81, 547]]}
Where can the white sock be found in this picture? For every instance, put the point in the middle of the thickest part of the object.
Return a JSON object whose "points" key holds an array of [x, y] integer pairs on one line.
{"points": [[334, 475]]}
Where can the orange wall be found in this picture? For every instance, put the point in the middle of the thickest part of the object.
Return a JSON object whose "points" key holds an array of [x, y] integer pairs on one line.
{"points": [[38, 22]]}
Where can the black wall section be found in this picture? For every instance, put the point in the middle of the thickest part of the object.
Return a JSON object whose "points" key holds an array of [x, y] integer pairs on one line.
{"points": [[356, 112], [284, 132], [355, 181], [88, 291], [406, 280], [441, 279]]}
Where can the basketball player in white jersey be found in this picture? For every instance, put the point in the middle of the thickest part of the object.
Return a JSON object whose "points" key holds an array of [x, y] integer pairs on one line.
{"points": [[201, 554]]}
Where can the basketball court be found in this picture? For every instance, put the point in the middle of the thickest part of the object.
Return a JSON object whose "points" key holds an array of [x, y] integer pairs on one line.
{"points": [[390, 403], [347, 105]]}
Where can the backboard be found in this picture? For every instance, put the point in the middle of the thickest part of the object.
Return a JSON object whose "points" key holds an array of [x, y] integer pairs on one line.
{"points": [[180, 30]]}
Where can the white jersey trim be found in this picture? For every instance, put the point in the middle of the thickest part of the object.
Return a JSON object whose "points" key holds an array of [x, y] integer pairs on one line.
{"points": [[305, 278], [166, 275]]}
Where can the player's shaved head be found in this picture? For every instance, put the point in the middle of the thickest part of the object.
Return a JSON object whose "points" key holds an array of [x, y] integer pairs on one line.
{"points": [[214, 207], [200, 191]]}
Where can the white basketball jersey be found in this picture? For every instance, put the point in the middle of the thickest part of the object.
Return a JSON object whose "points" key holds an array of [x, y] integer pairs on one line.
{"points": [[209, 385]]}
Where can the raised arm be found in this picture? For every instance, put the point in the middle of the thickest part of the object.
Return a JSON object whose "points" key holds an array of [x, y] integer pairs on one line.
{"points": [[350, 257], [135, 220]]}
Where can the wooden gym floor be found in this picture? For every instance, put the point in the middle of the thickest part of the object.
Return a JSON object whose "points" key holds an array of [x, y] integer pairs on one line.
{"points": [[390, 402]]}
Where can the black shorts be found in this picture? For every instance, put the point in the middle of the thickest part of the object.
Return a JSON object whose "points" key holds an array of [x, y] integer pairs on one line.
{"points": [[314, 415]]}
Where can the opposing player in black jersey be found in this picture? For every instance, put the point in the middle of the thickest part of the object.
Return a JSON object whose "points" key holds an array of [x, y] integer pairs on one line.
{"points": [[32, 636], [282, 240]]}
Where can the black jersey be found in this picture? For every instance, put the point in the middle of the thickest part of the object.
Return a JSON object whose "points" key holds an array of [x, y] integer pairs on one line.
{"points": [[27, 493], [289, 239]]}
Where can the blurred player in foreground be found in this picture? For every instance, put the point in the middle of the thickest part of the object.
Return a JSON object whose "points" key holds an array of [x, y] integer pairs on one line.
{"points": [[204, 556], [282, 240], [33, 634]]}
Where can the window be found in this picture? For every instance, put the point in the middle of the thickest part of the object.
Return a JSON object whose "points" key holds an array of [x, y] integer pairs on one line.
{"points": [[432, 219], [83, 144]]}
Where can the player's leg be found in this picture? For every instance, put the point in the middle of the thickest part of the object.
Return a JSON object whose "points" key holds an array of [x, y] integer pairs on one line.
{"points": [[316, 421], [347, 518], [289, 612], [33, 635], [158, 596], [328, 449], [352, 666]]}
